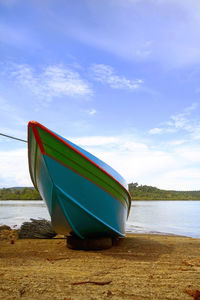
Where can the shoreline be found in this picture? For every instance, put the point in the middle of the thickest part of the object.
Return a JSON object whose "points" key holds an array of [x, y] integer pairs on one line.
{"points": [[127, 232], [140, 266]]}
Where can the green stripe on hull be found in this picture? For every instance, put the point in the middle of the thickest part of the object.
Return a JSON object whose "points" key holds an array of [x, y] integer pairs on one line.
{"points": [[67, 156]]}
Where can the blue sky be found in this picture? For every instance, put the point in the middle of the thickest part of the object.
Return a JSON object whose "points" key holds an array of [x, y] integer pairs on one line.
{"points": [[119, 78]]}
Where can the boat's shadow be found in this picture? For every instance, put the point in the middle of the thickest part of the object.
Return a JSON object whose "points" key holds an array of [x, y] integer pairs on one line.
{"points": [[139, 248]]}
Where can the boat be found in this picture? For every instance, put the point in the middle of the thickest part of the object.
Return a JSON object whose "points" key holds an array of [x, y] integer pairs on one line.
{"points": [[84, 195]]}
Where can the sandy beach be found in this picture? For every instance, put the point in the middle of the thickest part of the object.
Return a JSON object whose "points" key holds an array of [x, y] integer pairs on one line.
{"points": [[137, 267]]}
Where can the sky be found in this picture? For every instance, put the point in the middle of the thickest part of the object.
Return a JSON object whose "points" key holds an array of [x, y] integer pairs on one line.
{"points": [[119, 78]]}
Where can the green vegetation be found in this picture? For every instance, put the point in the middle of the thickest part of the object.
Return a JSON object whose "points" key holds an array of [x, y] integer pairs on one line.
{"points": [[19, 193], [145, 192]]}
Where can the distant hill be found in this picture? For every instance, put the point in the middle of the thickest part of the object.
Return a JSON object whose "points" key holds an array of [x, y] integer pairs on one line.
{"points": [[19, 193], [21, 187], [145, 192]]}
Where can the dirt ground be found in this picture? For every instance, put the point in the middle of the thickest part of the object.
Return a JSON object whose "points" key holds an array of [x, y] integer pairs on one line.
{"points": [[137, 267]]}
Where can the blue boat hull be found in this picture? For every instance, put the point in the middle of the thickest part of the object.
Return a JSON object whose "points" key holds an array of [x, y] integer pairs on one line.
{"points": [[84, 195], [77, 204]]}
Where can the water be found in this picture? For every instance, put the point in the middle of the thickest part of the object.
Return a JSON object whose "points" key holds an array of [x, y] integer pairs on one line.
{"points": [[165, 217], [15, 212]]}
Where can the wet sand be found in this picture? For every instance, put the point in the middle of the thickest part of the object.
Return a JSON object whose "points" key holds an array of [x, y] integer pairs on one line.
{"points": [[137, 267]]}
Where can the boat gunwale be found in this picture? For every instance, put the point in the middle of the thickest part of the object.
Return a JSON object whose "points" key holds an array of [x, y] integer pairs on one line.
{"points": [[34, 124]]}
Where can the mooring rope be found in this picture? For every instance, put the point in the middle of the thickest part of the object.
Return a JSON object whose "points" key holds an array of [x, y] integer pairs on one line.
{"points": [[14, 138]]}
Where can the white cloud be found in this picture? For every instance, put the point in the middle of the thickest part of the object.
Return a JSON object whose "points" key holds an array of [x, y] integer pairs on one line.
{"points": [[92, 112], [183, 179], [195, 132], [190, 108], [53, 81], [177, 168], [106, 75], [181, 122], [189, 153], [156, 131], [177, 142], [14, 168], [138, 162], [94, 141]]}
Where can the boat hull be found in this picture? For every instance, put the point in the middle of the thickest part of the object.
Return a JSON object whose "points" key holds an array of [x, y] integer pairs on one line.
{"points": [[81, 202]]}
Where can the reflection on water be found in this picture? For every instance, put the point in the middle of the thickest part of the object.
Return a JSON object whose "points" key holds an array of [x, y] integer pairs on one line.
{"points": [[16, 212], [174, 217]]}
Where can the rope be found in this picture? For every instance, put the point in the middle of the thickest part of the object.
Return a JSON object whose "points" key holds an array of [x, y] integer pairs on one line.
{"points": [[14, 138]]}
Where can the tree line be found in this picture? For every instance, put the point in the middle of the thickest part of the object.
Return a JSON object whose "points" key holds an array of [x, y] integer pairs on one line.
{"points": [[145, 192], [24, 193], [137, 192]]}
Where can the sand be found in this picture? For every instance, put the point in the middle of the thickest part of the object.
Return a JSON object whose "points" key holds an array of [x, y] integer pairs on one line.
{"points": [[137, 267]]}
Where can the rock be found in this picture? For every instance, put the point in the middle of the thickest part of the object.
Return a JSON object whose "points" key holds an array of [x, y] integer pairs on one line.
{"points": [[99, 243], [8, 234], [5, 227], [36, 229]]}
